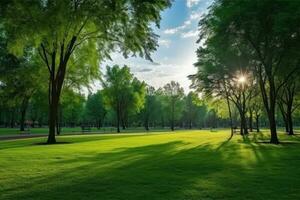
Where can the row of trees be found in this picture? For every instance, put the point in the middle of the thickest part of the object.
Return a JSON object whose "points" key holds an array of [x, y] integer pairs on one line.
{"points": [[250, 58], [124, 101], [69, 38]]}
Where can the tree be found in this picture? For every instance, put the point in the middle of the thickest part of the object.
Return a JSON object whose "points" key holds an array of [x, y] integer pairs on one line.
{"points": [[60, 29], [191, 109], [20, 77], [71, 108], [174, 94], [94, 109], [151, 111], [269, 31], [287, 105], [122, 92], [223, 75]]}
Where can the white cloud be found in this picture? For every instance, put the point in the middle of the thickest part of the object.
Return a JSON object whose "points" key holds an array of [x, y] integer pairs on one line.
{"points": [[196, 15], [172, 31], [191, 3], [165, 43], [189, 34]]}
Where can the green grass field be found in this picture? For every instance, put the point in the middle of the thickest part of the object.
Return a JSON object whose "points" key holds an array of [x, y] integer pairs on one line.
{"points": [[182, 165], [68, 130]]}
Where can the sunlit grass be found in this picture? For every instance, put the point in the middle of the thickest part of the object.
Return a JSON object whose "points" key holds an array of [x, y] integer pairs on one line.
{"points": [[180, 165]]}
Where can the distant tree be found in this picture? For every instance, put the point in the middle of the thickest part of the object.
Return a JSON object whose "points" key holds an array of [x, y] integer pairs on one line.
{"points": [[122, 92], [287, 104], [174, 94], [150, 110], [72, 107], [61, 29], [190, 109], [38, 107], [94, 109]]}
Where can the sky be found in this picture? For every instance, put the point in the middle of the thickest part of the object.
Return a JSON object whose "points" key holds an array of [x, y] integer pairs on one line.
{"points": [[175, 55]]}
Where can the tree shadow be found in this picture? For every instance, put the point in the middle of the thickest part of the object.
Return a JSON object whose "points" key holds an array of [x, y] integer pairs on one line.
{"points": [[171, 170]]}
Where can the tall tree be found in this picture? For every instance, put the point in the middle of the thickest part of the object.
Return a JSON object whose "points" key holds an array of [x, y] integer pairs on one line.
{"points": [[174, 94], [94, 109], [269, 29], [191, 109], [122, 92], [59, 29], [150, 112]]}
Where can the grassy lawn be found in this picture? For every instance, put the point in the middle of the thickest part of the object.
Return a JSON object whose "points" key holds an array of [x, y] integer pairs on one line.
{"points": [[182, 165], [68, 130]]}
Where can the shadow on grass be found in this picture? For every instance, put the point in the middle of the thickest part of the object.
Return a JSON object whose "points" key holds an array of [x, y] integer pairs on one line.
{"points": [[65, 139], [166, 171], [57, 143]]}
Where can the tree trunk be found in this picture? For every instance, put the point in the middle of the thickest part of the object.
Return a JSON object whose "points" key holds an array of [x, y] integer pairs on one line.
{"points": [[257, 123], [58, 120], [23, 113], [99, 124], [22, 121], [190, 124], [290, 122], [251, 121], [118, 118], [52, 120], [284, 115], [272, 122], [146, 123], [12, 118], [62, 53]]}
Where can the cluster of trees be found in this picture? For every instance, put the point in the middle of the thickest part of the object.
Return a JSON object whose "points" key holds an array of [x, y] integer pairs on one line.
{"points": [[250, 59], [51, 49], [124, 101], [69, 38]]}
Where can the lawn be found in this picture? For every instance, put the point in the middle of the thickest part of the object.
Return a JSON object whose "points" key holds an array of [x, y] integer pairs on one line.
{"points": [[182, 165], [70, 130]]}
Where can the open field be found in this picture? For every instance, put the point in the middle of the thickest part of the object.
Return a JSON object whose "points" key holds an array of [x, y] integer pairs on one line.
{"points": [[180, 165]]}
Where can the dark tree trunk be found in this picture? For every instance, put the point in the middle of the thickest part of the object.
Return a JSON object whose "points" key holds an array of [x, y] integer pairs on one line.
{"points": [[118, 118], [190, 124], [22, 121], [123, 123], [290, 123], [146, 123], [272, 121], [269, 100], [58, 120], [62, 53], [23, 113], [99, 124], [52, 120], [284, 115], [243, 129], [12, 118], [257, 123], [40, 122], [251, 121], [286, 125], [229, 111]]}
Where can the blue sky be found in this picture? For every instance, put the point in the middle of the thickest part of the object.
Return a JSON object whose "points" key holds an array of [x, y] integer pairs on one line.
{"points": [[175, 56]]}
